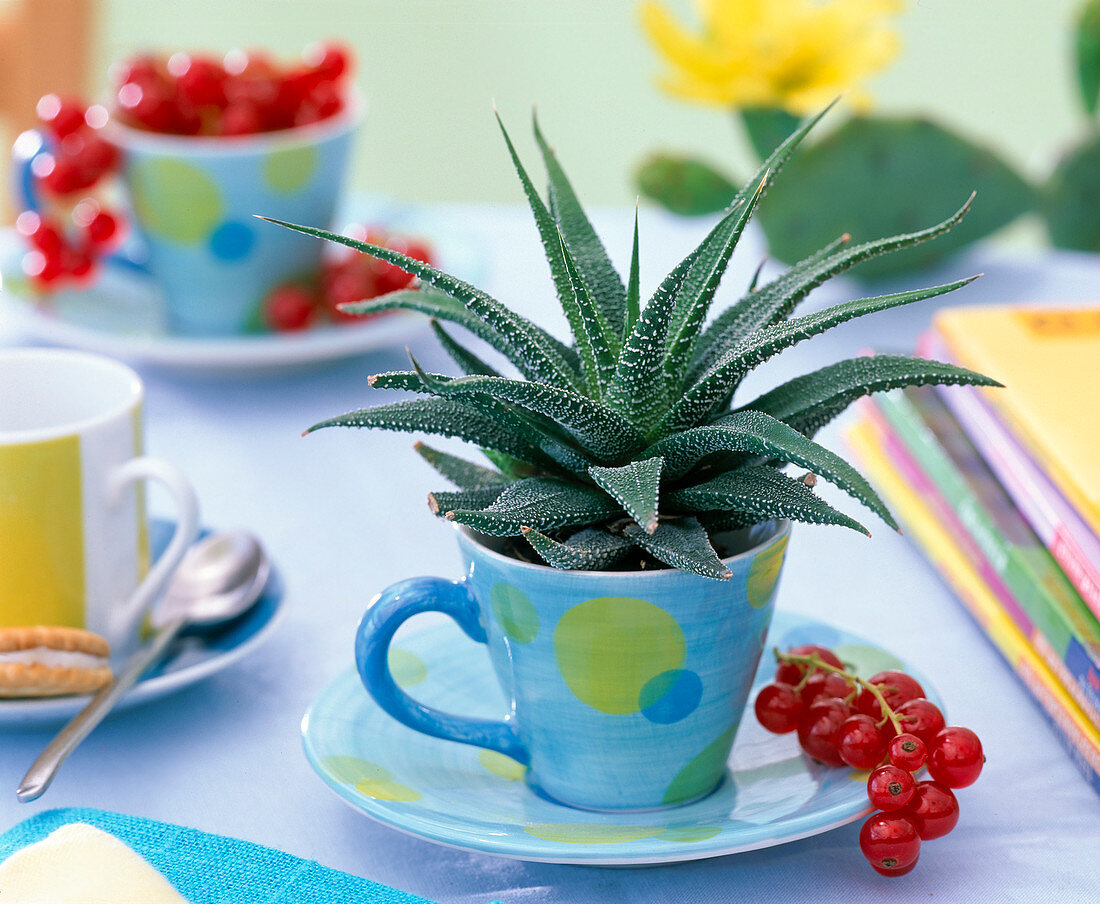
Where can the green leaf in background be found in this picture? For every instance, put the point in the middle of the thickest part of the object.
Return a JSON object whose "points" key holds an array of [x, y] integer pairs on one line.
{"points": [[684, 185], [1071, 199], [1088, 55], [767, 128], [887, 175]]}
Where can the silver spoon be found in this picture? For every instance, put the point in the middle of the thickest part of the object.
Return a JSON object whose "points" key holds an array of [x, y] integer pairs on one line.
{"points": [[218, 579]]}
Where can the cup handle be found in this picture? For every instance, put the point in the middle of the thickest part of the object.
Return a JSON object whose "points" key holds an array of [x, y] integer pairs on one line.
{"points": [[187, 528], [387, 612], [29, 145]]}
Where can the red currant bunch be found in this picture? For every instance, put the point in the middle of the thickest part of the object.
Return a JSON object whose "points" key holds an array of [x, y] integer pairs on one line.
{"points": [[244, 93], [346, 277], [883, 724], [72, 228]]}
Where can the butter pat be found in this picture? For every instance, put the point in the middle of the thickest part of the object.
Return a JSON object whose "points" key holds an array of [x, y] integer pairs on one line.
{"points": [[80, 864]]}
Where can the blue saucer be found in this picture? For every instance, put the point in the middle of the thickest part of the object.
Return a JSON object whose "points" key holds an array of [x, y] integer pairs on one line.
{"points": [[477, 800], [192, 659]]}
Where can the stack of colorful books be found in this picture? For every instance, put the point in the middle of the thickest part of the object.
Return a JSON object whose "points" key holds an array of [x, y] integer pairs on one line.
{"points": [[1001, 490]]}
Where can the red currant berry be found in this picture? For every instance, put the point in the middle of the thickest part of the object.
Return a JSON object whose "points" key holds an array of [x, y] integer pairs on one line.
{"points": [[819, 728], [43, 268], [199, 80], [289, 308], [241, 118], [42, 233], [955, 757], [933, 809], [79, 264], [890, 843], [861, 742], [329, 61], [61, 115], [135, 69], [95, 156], [907, 751], [890, 788], [348, 280], [921, 717], [778, 708], [421, 251], [896, 687], [823, 685], [793, 672]]}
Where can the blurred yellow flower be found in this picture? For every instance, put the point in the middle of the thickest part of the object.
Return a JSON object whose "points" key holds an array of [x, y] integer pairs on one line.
{"points": [[793, 54]]}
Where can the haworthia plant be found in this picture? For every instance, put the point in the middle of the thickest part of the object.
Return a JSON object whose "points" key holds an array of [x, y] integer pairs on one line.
{"points": [[627, 441]]}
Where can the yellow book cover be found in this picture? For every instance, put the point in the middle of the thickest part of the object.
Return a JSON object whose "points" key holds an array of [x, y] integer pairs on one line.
{"points": [[1078, 732], [1049, 361]]}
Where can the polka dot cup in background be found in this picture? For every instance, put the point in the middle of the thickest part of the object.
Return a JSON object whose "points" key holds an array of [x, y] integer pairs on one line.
{"points": [[627, 688], [193, 203]]}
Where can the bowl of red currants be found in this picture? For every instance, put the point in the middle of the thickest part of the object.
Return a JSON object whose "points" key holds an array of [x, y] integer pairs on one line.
{"points": [[187, 153]]}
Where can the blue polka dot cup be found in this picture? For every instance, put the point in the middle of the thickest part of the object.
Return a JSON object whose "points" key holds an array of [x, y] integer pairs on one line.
{"points": [[193, 203], [627, 688]]}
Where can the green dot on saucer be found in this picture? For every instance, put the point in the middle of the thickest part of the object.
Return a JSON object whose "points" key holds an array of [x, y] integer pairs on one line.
{"points": [[352, 769], [610, 647], [689, 834], [514, 612], [502, 765], [406, 667], [587, 833], [387, 790], [287, 172], [175, 200]]}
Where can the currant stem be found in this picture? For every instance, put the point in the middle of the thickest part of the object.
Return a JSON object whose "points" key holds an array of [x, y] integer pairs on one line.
{"points": [[816, 662]]}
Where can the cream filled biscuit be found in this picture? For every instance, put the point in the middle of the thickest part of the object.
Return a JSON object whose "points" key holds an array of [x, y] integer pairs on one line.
{"points": [[50, 661]]}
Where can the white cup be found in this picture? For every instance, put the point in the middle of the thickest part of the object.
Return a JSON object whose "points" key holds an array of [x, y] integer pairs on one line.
{"points": [[74, 532]]}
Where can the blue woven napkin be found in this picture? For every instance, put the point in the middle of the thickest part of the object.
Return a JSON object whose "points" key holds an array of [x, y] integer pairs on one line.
{"points": [[213, 869]]}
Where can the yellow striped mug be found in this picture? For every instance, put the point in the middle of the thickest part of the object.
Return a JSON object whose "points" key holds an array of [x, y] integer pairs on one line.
{"points": [[74, 534]]}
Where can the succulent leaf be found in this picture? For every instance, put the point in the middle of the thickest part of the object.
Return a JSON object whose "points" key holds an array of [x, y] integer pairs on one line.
{"points": [[633, 287], [543, 503], [683, 544], [601, 431], [439, 417], [586, 550], [462, 356], [528, 348], [775, 301], [810, 401], [761, 434], [726, 373], [764, 492], [595, 342], [638, 389], [443, 501], [702, 282], [587, 250], [462, 473], [635, 487]]}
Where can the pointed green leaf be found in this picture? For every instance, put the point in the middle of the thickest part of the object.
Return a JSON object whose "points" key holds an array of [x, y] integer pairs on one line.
{"points": [[762, 491], [635, 486], [440, 417], [638, 389], [443, 501], [528, 347], [1088, 55], [543, 503], [512, 468], [726, 373], [462, 356], [595, 341], [775, 301], [551, 451], [586, 248], [702, 282], [809, 402], [586, 550], [683, 544], [463, 474], [601, 431], [633, 288], [761, 434]]}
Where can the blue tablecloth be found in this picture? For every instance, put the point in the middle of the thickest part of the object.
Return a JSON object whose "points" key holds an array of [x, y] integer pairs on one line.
{"points": [[344, 515]]}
